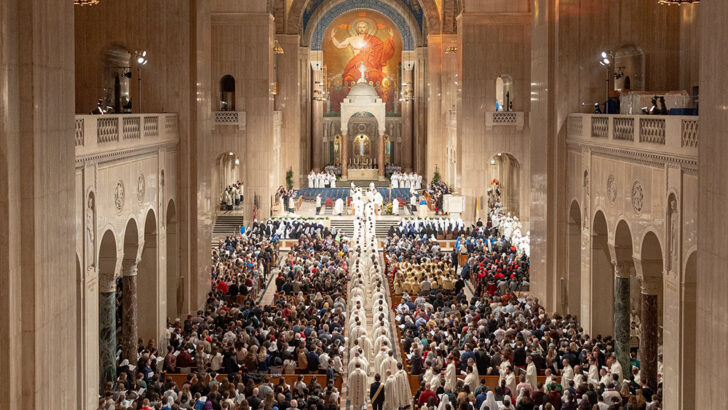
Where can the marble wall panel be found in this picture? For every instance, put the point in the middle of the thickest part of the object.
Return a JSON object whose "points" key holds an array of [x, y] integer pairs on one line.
{"points": [[712, 282]]}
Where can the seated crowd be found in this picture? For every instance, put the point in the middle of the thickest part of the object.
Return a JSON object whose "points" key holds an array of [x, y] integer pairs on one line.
{"points": [[289, 228], [539, 361], [228, 355]]}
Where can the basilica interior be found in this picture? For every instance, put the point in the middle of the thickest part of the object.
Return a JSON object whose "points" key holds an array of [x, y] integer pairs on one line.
{"points": [[597, 123]]}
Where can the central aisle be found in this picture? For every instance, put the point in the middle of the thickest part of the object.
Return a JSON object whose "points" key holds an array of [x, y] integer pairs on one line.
{"points": [[372, 348]]}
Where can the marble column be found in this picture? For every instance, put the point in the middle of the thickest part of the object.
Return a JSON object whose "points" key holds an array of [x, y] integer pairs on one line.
{"points": [[344, 155], [107, 337], [407, 134], [648, 341], [621, 317], [318, 117], [381, 156], [129, 312]]}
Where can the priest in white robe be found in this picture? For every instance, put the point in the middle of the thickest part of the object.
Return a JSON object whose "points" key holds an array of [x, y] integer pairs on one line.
{"points": [[471, 380], [451, 376], [390, 392], [357, 385], [531, 373], [404, 393], [389, 364]]}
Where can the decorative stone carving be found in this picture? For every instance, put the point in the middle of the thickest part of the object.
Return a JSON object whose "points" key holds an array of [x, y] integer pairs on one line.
{"points": [[674, 229], [141, 188], [611, 189], [637, 196], [90, 231], [119, 196]]}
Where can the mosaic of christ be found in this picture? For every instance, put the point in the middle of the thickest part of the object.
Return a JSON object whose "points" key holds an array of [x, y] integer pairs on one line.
{"points": [[360, 37]]}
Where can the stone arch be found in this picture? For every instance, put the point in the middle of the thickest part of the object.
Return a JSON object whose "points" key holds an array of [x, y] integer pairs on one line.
{"points": [[623, 292], [175, 285], [395, 12], [226, 170], [651, 260], [572, 303], [129, 268], [602, 288], [450, 11], [294, 24], [506, 169], [148, 300], [227, 93], [108, 261]]}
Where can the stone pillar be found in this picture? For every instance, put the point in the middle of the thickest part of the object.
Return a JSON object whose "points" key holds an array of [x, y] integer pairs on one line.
{"points": [[107, 337], [407, 134], [648, 341], [318, 118], [621, 317], [344, 155], [381, 156], [129, 312]]}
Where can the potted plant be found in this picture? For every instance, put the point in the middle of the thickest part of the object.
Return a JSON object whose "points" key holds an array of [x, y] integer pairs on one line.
{"points": [[289, 179]]}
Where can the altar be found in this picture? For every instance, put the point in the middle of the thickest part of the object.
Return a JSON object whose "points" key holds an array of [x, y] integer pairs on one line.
{"points": [[363, 174]]}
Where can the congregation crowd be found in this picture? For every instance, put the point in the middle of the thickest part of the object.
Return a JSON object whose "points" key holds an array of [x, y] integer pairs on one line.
{"points": [[540, 361], [461, 319], [226, 356]]}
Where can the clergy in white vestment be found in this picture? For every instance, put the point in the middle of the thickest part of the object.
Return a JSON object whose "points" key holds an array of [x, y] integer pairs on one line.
{"points": [[511, 380], [404, 393], [593, 377], [389, 364], [451, 376], [366, 346], [578, 376], [567, 373], [356, 332], [471, 380], [310, 179], [395, 206], [390, 392], [436, 380], [382, 354], [357, 359], [357, 385], [617, 369], [531, 373]]}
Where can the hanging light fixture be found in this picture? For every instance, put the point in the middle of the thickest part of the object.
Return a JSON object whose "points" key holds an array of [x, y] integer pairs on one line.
{"points": [[85, 2], [678, 2]]}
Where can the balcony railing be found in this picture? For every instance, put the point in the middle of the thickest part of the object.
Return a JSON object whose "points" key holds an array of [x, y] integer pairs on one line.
{"points": [[231, 118], [508, 118], [97, 133], [663, 133]]}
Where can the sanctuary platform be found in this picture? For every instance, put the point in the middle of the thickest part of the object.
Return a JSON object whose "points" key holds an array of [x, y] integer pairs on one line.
{"points": [[343, 193]]}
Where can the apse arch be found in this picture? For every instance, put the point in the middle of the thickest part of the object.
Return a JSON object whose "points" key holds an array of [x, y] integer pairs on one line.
{"points": [[324, 15], [430, 11]]}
